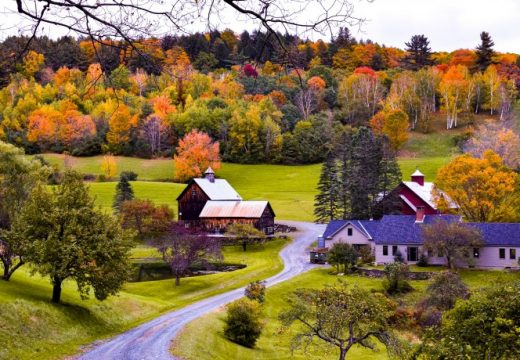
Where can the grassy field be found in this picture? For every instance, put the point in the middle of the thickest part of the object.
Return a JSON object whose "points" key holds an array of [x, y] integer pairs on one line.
{"points": [[290, 189], [274, 344], [31, 327]]}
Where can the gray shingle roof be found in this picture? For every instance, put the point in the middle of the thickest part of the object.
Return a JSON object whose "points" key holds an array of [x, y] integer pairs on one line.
{"points": [[499, 234]]}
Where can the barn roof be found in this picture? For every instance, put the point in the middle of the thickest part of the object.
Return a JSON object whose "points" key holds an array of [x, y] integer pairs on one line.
{"points": [[219, 189], [234, 209]]}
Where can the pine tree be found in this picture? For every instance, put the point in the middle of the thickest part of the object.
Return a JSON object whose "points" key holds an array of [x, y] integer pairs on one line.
{"points": [[390, 177], [365, 167], [343, 150], [419, 52], [124, 192], [485, 51], [325, 205]]}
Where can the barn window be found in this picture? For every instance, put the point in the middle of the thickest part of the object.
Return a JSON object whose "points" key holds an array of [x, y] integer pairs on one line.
{"points": [[502, 253], [512, 254], [349, 231], [193, 193], [385, 250], [476, 253]]}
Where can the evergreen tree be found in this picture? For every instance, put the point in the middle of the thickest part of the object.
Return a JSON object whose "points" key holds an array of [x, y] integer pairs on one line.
{"points": [[124, 192], [484, 51], [325, 205], [365, 167], [343, 150], [419, 53]]}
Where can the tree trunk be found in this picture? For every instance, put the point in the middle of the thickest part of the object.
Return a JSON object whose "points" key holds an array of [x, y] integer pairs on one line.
{"points": [[244, 245], [177, 278], [342, 354], [56, 289]]}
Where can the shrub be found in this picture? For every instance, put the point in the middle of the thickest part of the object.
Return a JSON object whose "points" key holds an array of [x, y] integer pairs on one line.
{"points": [[366, 255], [129, 175], [256, 291], [445, 289], [101, 178], [423, 261], [398, 257], [343, 256], [243, 324], [395, 278]]}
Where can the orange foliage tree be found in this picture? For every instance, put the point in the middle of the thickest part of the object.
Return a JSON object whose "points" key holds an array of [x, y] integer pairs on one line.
{"points": [[393, 124], [120, 124], [195, 153], [481, 187]]}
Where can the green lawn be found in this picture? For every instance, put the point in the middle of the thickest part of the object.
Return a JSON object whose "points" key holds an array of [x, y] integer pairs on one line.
{"points": [[290, 189], [274, 344], [33, 328]]}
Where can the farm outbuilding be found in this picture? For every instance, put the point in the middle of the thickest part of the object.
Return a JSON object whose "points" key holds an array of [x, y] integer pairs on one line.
{"points": [[212, 204]]}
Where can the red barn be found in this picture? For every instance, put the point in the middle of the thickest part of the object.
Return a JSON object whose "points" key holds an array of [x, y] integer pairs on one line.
{"points": [[212, 204], [417, 196]]}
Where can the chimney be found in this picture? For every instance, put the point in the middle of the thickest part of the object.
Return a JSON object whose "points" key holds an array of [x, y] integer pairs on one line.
{"points": [[321, 242], [210, 175], [419, 215], [418, 177]]}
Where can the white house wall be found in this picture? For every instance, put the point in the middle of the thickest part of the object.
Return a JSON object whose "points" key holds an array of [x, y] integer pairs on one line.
{"points": [[357, 237]]}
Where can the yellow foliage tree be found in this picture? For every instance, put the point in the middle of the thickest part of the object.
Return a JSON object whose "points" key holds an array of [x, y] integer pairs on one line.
{"points": [[481, 187], [32, 63], [109, 166]]}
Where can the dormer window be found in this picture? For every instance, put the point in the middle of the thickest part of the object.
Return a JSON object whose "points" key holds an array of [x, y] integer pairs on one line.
{"points": [[349, 231]]}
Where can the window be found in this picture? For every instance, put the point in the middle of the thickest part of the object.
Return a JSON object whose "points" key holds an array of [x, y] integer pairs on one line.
{"points": [[385, 250], [394, 250], [349, 231], [193, 193], [502, 253], [512, 254], [412, 253], [476, 253]]}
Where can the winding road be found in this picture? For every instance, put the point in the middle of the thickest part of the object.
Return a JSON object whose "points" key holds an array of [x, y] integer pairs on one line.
{"points": [[152, 339]]}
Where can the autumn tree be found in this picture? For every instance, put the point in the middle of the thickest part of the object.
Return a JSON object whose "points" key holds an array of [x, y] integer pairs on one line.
{"points": [[145, 218], [456, 89], [493, 136], [109, 166], [195, 153], [245, 234], [71, 239], [120, 124], [445, 289], [451, 239], [181, 249], [341, 316], [479, 186], [392, 124]]}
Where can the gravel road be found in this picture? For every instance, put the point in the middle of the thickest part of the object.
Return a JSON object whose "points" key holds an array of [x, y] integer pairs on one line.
{"points": [[152, 339]]}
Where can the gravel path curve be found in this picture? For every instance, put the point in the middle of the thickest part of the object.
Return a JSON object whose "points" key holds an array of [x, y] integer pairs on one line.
{"points": [[152, 339]]}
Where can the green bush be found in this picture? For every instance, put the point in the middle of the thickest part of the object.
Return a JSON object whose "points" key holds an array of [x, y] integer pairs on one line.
{"points": [[243, 322], [423, 261], [256, 291], [395, 279], [129, 175], [343, 256]]}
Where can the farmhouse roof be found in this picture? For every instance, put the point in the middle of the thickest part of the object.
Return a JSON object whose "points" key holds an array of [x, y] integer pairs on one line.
{"points": [[234, 209], [499, 234], [367, 227], [219, 189], [403, 229]]}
